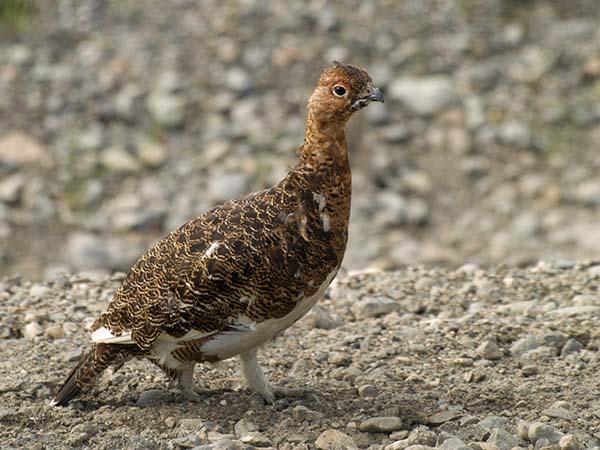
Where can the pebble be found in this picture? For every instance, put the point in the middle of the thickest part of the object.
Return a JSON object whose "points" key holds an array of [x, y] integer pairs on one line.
{"points": [[374, 307], [32, 330], [381, 424], [55, 331], [244, 426], [454, 443], [119, 160], [502, 439], [569, 442], [39, 290], [570, 347], [441, 417], [425, 95], [151, 397], [493, 422], [322, 318], [368, 391], [11, 188], [524, 345], [150, 153], [256, 438], [189, 441], [489, 350], [571, 311], [540, 430], [20, 149], [226, 186], [166, 108], [335, 440]]}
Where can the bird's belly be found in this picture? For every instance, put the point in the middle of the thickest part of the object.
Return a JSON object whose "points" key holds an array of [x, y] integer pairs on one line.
{"points": [[228, 344]]}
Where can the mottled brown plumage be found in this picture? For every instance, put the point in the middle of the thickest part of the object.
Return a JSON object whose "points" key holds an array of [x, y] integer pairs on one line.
{"points": [[230, 280]]}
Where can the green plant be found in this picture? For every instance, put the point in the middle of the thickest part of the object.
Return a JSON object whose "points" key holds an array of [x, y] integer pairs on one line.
{"points": [[15, 15]]}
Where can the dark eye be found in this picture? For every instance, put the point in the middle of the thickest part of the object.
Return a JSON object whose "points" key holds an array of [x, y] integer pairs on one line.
{"points": [[340, 91]]}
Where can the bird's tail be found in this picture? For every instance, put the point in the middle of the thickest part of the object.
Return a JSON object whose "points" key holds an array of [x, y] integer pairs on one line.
{"points": [[86, 371]]}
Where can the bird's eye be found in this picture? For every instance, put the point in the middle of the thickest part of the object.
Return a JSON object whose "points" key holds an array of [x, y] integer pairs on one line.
{"points": [[339, 91]]}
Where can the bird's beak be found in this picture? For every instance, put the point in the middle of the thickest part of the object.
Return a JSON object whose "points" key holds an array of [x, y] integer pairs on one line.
{"points": [[373, 94]]}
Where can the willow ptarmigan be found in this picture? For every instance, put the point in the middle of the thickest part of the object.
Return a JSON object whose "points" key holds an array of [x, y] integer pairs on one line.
{"points": [[230, 280]]}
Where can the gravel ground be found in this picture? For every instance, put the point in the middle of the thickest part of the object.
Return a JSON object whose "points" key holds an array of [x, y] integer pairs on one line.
{"points": [[422, 357], [120, 120]]}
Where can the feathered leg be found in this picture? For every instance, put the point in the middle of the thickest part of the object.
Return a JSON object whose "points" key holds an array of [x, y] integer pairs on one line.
{"points": [[258, 382], [87, 370], [183, 376]]}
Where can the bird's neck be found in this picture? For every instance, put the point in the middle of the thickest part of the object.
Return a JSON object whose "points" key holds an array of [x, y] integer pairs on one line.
{"points": [[324, 143]]}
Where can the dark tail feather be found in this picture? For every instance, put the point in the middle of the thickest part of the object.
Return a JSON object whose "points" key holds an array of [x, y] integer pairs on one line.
{"points": [[85, 372], [69, 389]]}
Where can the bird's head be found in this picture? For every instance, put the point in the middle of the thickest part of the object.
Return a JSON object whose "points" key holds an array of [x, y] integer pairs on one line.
{"points": [[342, 89]]}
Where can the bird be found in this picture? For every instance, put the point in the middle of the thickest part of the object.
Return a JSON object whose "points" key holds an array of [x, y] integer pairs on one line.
{"points": [[229, 281]]}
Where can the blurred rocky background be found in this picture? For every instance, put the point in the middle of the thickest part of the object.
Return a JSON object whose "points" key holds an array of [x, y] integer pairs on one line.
{"points": [[122, 119]]}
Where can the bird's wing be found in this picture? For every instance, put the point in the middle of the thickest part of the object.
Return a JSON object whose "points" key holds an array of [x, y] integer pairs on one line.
{"points": [[232, 266]]}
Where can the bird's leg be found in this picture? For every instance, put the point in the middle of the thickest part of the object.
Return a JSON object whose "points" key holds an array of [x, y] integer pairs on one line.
{"points": [[183, 377], [185, 382], [258, 382]]}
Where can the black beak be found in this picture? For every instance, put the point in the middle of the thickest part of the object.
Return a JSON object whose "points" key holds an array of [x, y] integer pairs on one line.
{"points": [[373, 95]]}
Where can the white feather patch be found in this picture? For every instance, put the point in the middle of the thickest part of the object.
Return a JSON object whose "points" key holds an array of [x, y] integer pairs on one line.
{"points": [[105, 336], [246, 335]]}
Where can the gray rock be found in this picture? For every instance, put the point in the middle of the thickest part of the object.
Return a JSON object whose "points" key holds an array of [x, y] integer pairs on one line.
{"points": [[151, 397], [19, 149], [245, 426], [558, 412], [523, 345], [256, 438], [539, 430], [11, 188], [441, 417], [523, 429], [422, 435], [425, 95], [491, 422], [226, 186], [39, 290], [166, 108], [503, 440], [516, 134], [32, 330], [117, 159], [381, 424], [334, 440], [368, 391], [87, 251], [150, 153], [571, 346], [571, 311], [238, 80], [189, 441], [374, 307], [555, 339], [569, 442], [188, 426], [453, 443], [489, 350], [530, 65], [322, 318]]}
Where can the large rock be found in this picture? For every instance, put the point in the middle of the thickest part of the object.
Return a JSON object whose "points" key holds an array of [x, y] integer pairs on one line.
{"points": [[20, 149], [425, 95], [334, 440]]}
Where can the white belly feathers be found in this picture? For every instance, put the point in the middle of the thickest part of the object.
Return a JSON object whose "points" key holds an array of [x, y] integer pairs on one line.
{"points": [[244, 334]]}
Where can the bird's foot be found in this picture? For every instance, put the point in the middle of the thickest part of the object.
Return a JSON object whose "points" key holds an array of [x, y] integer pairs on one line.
{"points": [[271, 393], [194, 393]]}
